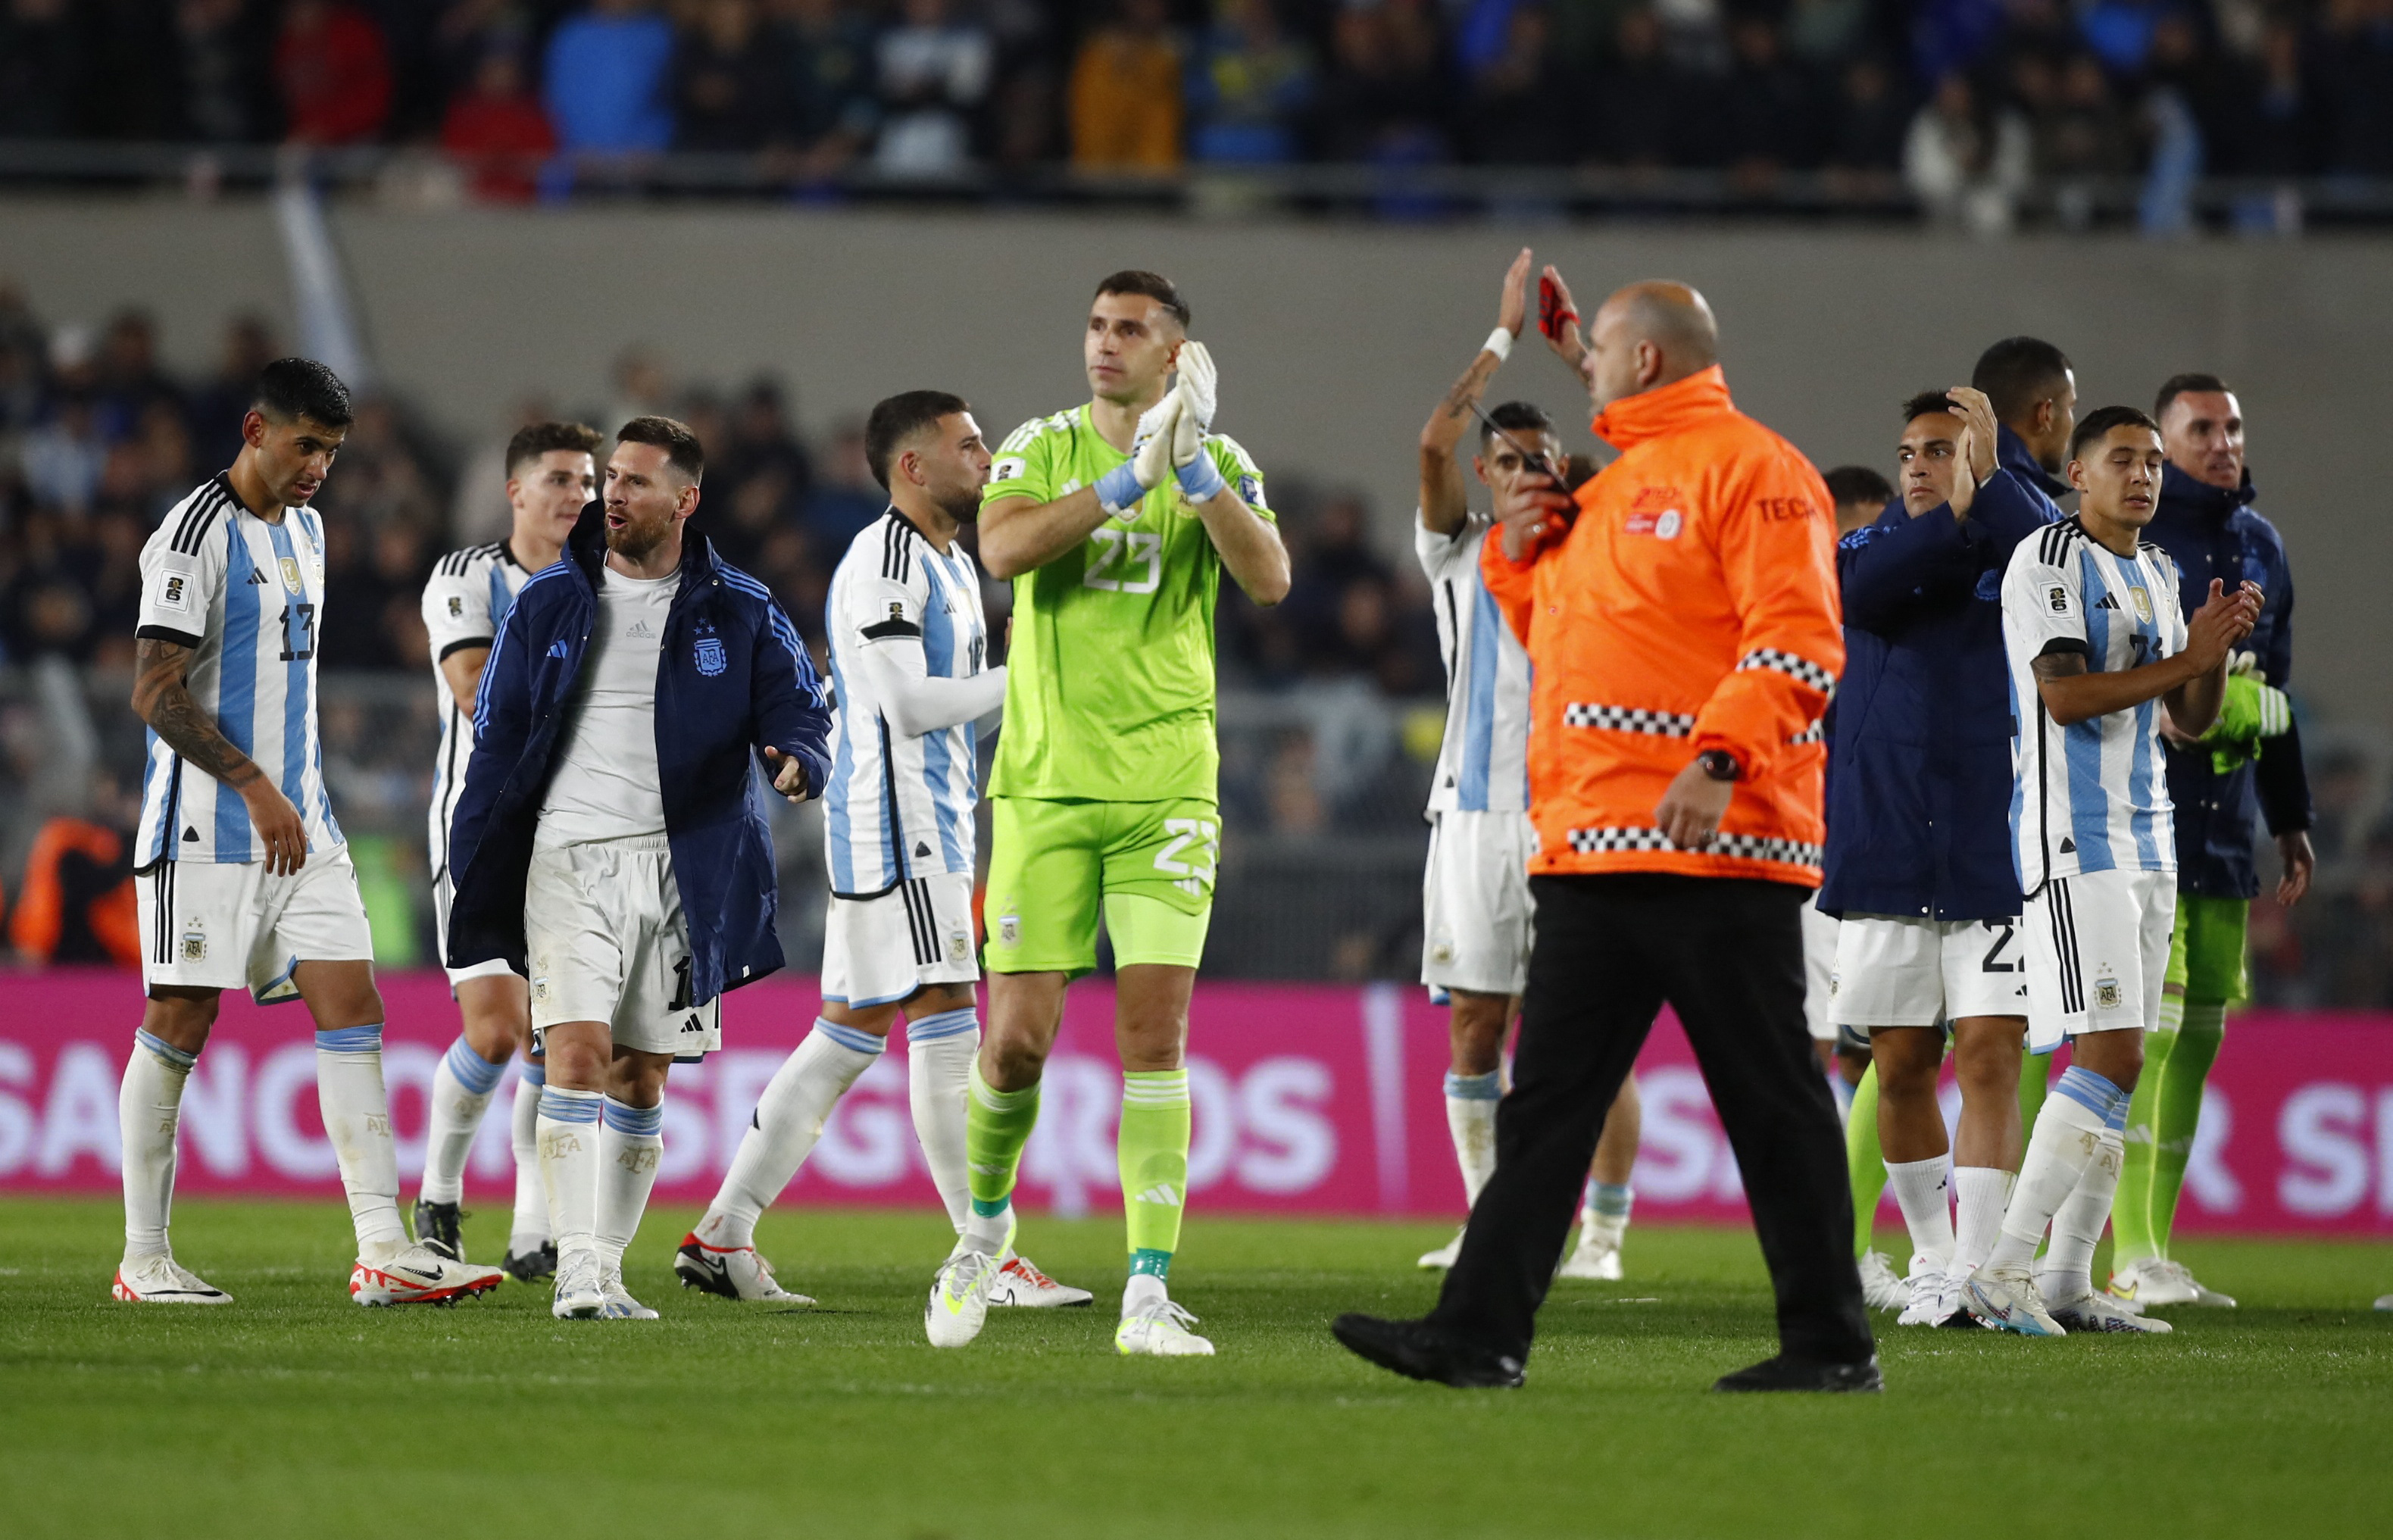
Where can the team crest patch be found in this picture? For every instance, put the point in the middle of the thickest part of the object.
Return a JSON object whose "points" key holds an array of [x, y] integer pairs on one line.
{"points": [[2108, 996], [194, 946], [1441, 952], [289, 566], [710, 658], [959, 946], [540, 988], [1009, 929], [456, 607], [2144, 603]]}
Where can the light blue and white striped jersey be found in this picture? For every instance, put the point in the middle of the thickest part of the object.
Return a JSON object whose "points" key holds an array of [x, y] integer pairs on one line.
{"points": [[464, 603], [247, 598], [2092, 796], [900, 807], [1483, 765]]}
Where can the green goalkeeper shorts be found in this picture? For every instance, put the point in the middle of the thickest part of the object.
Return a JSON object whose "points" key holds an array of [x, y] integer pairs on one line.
{"points": [[2205, 961], [1054, 864]]}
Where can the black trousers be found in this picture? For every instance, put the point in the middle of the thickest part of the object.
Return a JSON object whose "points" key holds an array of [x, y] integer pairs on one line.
{"points": [[1728, 954]]}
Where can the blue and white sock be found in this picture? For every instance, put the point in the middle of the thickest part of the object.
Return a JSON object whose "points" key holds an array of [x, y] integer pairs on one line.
{"points": [[630, 1144], [357, 1119], [528, 1231], [2068, 1133], [462, 1087], [787, 1120], [939, 1053], [148, 1112], [1471, 1119], [569, 1165]]}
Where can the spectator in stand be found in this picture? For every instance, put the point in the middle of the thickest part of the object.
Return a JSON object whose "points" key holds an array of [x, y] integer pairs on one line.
{"points": [[1769, 116], [932, 72], [607, 78], [2281, 134], [847, 498], [220, 402], [221, 89], [1519, 109], [760, 473], [1125, 92], [1966, 160], [1865, 145], [61, 458], [832, 113], [1023, 113], [42, 56], [332, 69], [1639, 106], [1384, 98], [128, 380], [730, 81], [1825, 33], [2355, 80], [1952, 36], [2119, 33], [496, 132], [1248, 86], [2083, 137]]}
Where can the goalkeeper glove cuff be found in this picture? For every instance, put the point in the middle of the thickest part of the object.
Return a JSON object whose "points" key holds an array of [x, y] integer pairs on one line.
{"points": [[1119, 488], [1200, 479]]}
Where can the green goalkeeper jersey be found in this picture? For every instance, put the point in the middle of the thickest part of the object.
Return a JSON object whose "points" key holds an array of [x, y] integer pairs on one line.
{"points": [[1109, 679]]}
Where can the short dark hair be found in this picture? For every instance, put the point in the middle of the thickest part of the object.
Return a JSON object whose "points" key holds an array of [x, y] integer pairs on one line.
{"points": [[2102, 420], [2017, 373], [1851, 485], [289, 389], [1515, 417], [683, 452], [1155, 286], [2179, 385], [899, 418], [1927, 401], [531, 443]]}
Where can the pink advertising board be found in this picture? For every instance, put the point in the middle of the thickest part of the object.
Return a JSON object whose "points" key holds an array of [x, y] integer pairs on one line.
{"points": [[1310, 1099]]}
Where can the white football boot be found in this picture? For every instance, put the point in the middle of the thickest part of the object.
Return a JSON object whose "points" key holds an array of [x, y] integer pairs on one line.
{"points": [[2092, 1312], [2007, 1299], [959, 1303], [1158, 1328], [1597, 1257], [2384, 1302], [1019, 1282], [2146, 1285], [581, 1286], [418, 1275], [1880, 1288], [736, 1272], [1444, 1256], [158, 1279], [2176, 1278], [1928, 1290], [620, 1305]]}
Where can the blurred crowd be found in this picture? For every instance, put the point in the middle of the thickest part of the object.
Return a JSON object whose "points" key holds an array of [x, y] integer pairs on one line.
{"points": [[1966, 102]]}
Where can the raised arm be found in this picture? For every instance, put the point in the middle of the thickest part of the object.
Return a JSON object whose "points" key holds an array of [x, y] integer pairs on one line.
{"points": [[162, 697], [1444, 500]]}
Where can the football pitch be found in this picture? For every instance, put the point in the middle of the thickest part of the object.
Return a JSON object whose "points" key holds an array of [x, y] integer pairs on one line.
{"points": [[293, 1412]]}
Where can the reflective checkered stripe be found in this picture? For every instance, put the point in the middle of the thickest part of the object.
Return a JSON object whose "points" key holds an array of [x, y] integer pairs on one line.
{"points": [[1801, 669], [1815, 733], [1742, 847], [1629, 719]]}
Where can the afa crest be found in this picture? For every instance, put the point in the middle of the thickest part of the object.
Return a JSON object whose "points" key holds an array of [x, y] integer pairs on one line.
{"points": [[710, 658]]}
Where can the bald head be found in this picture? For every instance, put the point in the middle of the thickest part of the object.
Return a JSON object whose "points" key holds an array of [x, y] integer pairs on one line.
{"points": [[1647, 335]]}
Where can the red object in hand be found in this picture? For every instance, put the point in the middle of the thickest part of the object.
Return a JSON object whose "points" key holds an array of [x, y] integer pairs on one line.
{"points": [[1553, 311]]}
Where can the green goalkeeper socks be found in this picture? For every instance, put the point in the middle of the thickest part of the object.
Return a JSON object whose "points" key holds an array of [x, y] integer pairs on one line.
{"points": [[1153, 1152], [2179, 1109], [1863, 1161], [2133, 1238], [996, 1128]]}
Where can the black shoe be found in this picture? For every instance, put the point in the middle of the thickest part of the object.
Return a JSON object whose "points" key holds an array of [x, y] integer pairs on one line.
{"points": [[438, 1229], [1420, 1351], [1795, 1374], [530, 1267]]}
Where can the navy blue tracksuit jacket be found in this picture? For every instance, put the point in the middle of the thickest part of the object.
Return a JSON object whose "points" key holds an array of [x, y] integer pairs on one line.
{"points": [[732, 678]]}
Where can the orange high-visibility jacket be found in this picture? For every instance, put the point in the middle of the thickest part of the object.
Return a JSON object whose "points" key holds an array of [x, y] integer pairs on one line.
{"points": [[1689, 605]]}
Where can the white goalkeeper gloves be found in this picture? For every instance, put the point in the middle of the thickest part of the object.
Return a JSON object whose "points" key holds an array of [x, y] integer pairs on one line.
{"points": [[1170, 441]]}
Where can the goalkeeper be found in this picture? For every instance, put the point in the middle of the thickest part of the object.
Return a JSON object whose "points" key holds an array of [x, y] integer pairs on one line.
{"points": [[2251, 756], [1115, 521]]}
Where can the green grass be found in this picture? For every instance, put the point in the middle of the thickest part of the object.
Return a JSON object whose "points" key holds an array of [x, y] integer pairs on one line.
{"points": [[295, 1412]]}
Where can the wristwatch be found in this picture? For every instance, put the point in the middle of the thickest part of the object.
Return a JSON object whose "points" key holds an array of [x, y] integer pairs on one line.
{"points": [[1718, 763]]}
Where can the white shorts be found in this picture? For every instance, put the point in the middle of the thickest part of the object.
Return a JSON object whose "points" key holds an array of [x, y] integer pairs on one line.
{"points": [[227, 925], [1898, 971], [493, 968], [2097, 947], [1819, 970], [886, 948], [1475, 905], [604, 930]]}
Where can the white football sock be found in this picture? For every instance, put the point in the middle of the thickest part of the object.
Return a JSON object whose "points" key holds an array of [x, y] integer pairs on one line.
{"points": [[2068, 1130], [569, 1165], [631, 1143], [1471, 1118], [1603, 1212], [149, 1110], [1980, 1193], [1925, 1196], [2068, 1270], [357, 1119], [939, 1053], [787, 1120], [460, 1094], [529, 1231]]}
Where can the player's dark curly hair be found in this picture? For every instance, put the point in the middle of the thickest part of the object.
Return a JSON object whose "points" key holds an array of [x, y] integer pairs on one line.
{"points": [[1155, 286], [1926, 402], [2102, 420], [531, 443], [289, 389], [683, 452], [899, 418]]}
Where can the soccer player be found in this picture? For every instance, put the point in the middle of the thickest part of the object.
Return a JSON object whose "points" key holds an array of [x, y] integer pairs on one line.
{"points": [[609, 843], [1115, 521], [243, 878], [1476, 891], [1918, 864], [2206, 522], [910, 667], [551, 474], [2100, 654]]}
